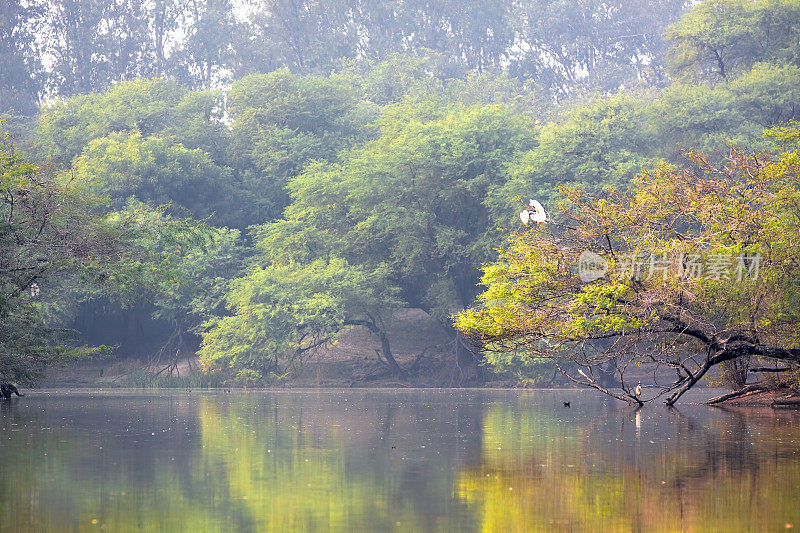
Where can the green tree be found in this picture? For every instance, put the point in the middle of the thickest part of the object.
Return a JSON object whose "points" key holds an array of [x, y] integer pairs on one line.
{"points": [[203, 58], [767, 94], [422, 197], [198, 121], [151, 139], [721, 39], [597, 145], [400, 77], [602, 143], [725, 219], [415, 204], [397, 77], [710, 118], [66, 127], [52, 228], [156, 171], [698, 116], [282, 313], [573, 45], [20, 59], [199, 294], [280, 123]]}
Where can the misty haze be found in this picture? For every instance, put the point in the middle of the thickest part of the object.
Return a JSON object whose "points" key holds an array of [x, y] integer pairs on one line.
{"points": [[411, 265]]}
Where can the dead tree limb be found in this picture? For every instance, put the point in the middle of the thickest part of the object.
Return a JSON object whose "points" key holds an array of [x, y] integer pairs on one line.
{"points": [[741, 392]]}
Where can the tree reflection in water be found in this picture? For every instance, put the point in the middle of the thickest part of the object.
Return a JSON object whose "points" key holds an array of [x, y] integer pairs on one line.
{"points": [[392, 460]]}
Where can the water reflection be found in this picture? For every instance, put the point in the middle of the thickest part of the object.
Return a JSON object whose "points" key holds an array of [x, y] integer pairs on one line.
{"points": [[381, 460]]}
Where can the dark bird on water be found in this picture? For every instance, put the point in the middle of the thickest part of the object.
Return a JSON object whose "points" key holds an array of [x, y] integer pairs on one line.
{"points": [[8, 389], [566, 404]]}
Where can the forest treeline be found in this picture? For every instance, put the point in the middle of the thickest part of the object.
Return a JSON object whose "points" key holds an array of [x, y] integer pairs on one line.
{"points": [[250, 182], [71, 47]]}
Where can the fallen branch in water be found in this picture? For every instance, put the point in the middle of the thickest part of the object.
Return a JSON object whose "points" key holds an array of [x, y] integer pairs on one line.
{"points": [[741, 392]]}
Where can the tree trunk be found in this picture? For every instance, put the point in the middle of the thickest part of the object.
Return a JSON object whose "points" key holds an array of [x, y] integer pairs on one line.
{"points": [[468, 360], [387, 351], [385, 346]]}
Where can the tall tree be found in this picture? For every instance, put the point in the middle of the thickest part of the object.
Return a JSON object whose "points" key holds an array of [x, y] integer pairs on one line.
{"points": [[476, 34], [203, 59], [163, 22], [93, 43], [572, 45], [720, 39], [304, 36], [20, 57]]}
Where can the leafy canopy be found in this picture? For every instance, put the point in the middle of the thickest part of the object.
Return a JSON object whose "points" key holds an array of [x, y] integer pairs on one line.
{"points": [[653, 304], [54, 231], [281, 313]]}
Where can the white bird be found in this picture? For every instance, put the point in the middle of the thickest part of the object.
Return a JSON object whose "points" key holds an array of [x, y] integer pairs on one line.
{"points": [[34, 290], [538, 213], [535, 214], [638, 390]]}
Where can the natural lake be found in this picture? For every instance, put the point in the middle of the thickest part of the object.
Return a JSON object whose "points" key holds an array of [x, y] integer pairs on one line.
{"points": [[403, 460]]}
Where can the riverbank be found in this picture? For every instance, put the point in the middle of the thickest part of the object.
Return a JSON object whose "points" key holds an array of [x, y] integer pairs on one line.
{"points": [[422, 348]]}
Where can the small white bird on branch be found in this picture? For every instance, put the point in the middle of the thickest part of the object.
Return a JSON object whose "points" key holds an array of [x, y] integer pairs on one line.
{"points": [[535, 213]]}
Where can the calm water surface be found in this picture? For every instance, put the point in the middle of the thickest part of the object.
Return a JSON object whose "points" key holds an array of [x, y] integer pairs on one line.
{"points": [[406, 460]]}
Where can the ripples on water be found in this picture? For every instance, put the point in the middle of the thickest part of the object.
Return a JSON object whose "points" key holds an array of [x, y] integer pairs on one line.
{"points": [[454, 460]]}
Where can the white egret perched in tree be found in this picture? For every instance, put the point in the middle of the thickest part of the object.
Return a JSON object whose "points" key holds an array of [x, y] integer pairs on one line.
{"points": [[535, 213]]}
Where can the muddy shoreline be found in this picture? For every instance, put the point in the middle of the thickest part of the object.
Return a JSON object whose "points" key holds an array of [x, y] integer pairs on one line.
{"points": [[782, 398]]}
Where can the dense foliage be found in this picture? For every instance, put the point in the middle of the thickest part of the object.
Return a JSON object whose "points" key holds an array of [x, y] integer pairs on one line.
{"points": [[349, 164], [408, 213], [53, 231], [71, 47], [695, 267], [284, 312]]}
